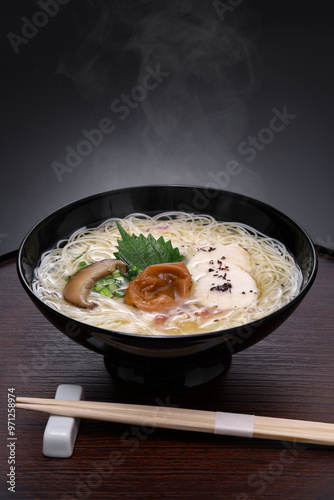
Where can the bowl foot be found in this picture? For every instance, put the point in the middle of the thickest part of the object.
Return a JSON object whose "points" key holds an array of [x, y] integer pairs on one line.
{"points": [[166, 374]]}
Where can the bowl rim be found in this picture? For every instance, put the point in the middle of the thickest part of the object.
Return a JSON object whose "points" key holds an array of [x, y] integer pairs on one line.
{"points": [[206, 335]]}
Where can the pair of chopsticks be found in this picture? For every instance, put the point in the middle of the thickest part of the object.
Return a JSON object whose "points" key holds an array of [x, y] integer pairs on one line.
{"points": [[185, 419]]}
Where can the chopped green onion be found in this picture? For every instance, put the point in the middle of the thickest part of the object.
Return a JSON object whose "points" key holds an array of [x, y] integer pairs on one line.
{"points": [[82, 264], [112, 287], [106, 282], [119, 282], [116, 274], [106, 292], [98, 287]]}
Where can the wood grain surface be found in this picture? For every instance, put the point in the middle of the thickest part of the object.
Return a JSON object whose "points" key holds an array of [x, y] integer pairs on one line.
{"points": [[290, 374]]}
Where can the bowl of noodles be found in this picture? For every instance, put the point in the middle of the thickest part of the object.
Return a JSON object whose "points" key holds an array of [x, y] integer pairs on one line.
{"points": [[167, 282]]}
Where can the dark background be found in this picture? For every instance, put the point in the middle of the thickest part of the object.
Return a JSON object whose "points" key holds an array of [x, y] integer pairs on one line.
{"points": [[226, 66]]}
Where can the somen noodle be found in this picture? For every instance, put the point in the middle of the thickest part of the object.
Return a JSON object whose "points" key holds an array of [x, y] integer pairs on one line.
{"points": [[273, 268]]}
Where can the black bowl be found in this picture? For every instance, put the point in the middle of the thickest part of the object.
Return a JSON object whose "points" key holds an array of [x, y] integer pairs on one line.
{"points": [[181, 361]]}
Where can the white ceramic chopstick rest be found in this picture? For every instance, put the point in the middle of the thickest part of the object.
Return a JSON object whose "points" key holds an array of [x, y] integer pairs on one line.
{"points": [[61, 432]]}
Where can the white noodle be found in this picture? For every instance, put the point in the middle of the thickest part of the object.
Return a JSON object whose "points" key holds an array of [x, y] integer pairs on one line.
{"points": [[277, 276]]}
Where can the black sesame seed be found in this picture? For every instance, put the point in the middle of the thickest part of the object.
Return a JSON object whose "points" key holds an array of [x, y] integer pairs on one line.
{"points": [[221, 288]]}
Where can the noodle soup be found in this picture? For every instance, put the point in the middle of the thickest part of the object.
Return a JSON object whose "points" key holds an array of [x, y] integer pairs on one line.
{"points": [[238, 275]]}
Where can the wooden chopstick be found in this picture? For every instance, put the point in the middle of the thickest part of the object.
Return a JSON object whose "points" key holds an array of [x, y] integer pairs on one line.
{"points": [[187, 419], [165, 417]]}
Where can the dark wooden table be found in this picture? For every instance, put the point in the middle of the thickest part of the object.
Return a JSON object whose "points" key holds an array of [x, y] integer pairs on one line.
{"points": [[289, 374]]}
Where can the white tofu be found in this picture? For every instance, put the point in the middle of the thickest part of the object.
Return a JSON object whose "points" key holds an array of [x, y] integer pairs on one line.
{"points": [[232, 253]]}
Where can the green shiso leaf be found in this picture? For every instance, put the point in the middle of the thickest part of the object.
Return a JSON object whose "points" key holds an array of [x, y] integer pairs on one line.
{"points": [[141, 251]]}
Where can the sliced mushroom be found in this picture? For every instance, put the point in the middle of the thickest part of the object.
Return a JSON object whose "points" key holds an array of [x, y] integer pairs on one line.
{"points": [[78, 286]]}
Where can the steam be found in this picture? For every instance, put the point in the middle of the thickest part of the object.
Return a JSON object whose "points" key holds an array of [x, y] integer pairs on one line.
{"points": [[199, 113]]}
